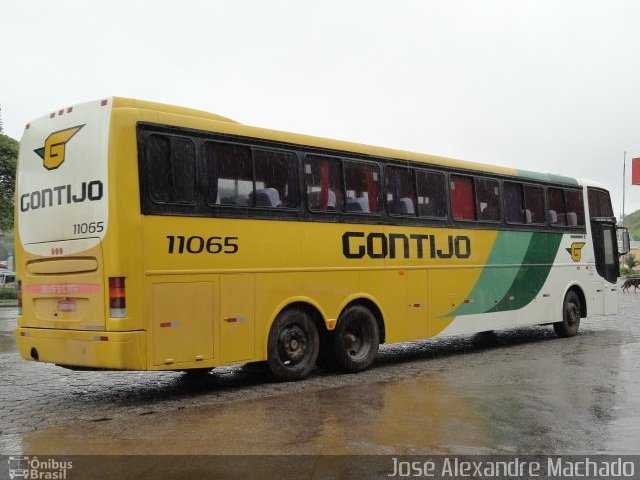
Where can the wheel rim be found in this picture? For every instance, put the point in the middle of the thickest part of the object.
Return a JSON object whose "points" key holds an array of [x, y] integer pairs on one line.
{"points": [[573, 314], [292, 345], [353, 341]]}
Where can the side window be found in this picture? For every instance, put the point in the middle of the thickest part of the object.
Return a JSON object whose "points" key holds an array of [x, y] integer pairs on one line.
{"points": [[462, 198], [323, 179], [277, 177], [557, 207], [599, 203], [229, 173], [240, 176], [432, 196], [171, 165], [575, 208], [400, 191], [362, 187], [534, 205], [487, 200], [514, 211]]}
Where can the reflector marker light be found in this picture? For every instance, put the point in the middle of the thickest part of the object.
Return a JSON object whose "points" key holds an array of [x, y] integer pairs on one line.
{"points": [[234, 319], [175, 323]]}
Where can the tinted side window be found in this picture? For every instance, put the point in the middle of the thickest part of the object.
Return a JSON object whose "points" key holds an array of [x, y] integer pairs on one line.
{"points": [[171, 165], [599, 203], [362, 184], [400, 191], [557, 207], [487, 199], [514, 211], [462, 198], [277, 177], [534, 205], [229, 174], [575, 208], [323, 178], [432, 196], [523, 203]]}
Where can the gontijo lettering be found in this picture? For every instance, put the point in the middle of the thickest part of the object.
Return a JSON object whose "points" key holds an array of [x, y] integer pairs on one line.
{"points": [[62, 195], [399, 245]]}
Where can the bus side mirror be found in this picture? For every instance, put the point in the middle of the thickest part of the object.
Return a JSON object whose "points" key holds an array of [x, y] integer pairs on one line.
{"points": [[624, 243]]}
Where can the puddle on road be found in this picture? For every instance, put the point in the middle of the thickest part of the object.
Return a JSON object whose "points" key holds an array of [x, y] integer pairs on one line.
{"points": [[474, 410], [7, 328], [7, 343], [543, 397], [381, 418]]}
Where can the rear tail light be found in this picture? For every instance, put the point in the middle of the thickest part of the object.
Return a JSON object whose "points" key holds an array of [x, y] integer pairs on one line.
{"points": [[117, 298], [19, 295]]}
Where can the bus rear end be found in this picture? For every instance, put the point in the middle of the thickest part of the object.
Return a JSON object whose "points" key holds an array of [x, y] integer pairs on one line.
{"points": [[62, 219]]}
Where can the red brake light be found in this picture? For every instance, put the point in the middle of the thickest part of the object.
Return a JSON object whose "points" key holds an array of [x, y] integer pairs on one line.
{"points": [[117, 297], [19, 294]]}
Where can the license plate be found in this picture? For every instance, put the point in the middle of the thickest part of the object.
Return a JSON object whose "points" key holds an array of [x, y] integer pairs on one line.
{"points": [[66, 305]]}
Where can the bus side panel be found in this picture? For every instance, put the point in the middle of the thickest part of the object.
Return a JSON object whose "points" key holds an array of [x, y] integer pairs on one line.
{"points": [[237, 321], [182, 322]]}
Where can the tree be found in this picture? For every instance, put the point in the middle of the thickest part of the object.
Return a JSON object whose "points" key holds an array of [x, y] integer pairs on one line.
{"points": [[631, 261], [8, 158]]}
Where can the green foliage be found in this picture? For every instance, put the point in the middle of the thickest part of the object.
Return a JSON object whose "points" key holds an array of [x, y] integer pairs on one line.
{"points": [[632, 222], [630, 262], [8, 159], [6, 244], [8, 293]]}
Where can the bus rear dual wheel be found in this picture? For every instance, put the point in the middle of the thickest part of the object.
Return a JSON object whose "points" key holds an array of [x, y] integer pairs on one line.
{"points": [[294, 343]]}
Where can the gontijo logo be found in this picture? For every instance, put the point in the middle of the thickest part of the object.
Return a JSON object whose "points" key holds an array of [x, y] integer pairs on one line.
{"points": [[53, 151], [576, 251]]}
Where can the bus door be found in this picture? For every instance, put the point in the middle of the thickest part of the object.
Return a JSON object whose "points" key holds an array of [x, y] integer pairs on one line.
{"points": [[605, 246]]}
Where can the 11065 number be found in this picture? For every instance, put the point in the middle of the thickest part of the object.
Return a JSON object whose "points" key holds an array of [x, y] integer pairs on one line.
{"points": [[182, 244], [91, 227]]}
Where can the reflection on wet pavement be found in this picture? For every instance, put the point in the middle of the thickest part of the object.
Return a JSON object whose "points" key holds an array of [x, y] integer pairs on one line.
{"points": [[522, 391], [7, 326], [517, 406]]}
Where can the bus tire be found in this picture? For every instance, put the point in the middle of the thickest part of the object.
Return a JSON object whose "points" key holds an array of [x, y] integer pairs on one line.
{"points": [[571, 314], [355, 340], [293, 345]]}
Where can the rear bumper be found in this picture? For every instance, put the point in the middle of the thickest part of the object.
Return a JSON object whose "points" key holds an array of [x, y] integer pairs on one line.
{"points": [[110, 350]]}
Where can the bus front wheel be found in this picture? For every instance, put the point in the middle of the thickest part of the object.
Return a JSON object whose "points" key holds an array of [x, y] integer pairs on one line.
{"points": [[293, 345], [355, 339], [571, 313]]}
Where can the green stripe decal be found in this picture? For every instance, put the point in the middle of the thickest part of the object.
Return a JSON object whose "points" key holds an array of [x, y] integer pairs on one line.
{"points": [[517, 267], [548, 177], [531, 276]]}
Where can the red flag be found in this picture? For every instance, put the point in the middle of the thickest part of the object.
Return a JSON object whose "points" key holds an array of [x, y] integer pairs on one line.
{"points": [[635, 171]]}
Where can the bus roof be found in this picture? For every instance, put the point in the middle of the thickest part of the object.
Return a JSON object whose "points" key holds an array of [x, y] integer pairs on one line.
{"points": [[234, 127]]}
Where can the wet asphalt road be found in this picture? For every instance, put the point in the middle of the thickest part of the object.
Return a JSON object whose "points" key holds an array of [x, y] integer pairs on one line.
{"points": [[522, 391]]}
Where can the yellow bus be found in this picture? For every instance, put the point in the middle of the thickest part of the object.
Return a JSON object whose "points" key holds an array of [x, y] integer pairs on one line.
{"points": [[154, 237]]}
